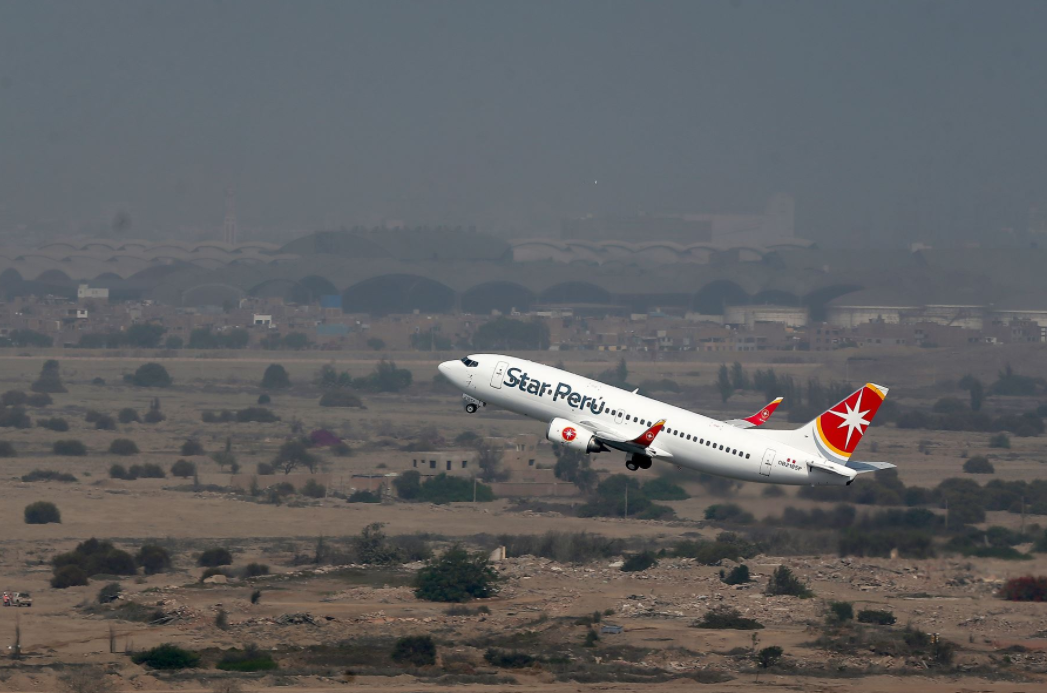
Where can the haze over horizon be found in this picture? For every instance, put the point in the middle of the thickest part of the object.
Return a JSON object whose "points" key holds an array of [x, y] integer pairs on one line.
{"points": [[905, 120]]}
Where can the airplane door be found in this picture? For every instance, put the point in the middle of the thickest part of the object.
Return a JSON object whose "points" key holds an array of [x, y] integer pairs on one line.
{"points": [[496, 377], [768, 460], [619, 416]]}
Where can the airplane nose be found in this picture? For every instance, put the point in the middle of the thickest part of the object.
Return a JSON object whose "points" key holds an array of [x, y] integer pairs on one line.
{"points": [[445, 369]]}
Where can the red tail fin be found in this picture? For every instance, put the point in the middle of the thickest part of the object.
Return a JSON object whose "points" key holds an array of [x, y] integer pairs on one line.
{"points": [[840, 428]]}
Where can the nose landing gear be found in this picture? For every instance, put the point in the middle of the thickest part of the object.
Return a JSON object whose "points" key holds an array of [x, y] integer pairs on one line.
{"points": [[634, 462]]}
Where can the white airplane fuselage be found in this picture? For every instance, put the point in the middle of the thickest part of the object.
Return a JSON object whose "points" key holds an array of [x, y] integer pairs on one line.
{"points": [[687, 440]]}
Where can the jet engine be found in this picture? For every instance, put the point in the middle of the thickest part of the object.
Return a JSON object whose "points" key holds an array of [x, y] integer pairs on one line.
{"points": [[573, 436]]}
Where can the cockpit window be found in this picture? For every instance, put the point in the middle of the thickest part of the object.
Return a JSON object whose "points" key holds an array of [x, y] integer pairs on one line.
{"points": [[469, 363]]}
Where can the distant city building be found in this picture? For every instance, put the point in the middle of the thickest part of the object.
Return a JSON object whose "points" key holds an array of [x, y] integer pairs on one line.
{"points": [[776, 224], [85, 292]]}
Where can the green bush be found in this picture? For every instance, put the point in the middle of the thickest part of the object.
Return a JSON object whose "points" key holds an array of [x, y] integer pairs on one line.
{"points": [[50, 380], [509, 660], [247, 660], [215, 556], [119, 471], [275, 378], [444, 488], [664, 489], [224, 416], [563, 547], [39, 399], [265, 469], [7, 450], [609, 501], [876, 617], [97, 557], [363, 496], [263, 399], [728, 512], [151, 375], [385, 377], [42, 513], [149, 470], [726, 618], [192, 447], [128, 415], [1000, 440], [340, 398], [784, 582], [54, 424], [256, 415], [167, 656], [978, 465], [739, 575], [712, 552], [769, 656], [639, 562], [69, 448], [153, 559], [408, 485], [909, 543], [254, 570], [48, 475], [105, 423], [68, 576], [416, 650], [841, 611], [123, 446], [109, 593], [183, 468], [15, 417], [456, 576], [314, 489], [13, 398]]}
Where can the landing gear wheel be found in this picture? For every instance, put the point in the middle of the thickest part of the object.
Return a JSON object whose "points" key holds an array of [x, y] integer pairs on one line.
{"points": [[645, 463], [631, 466], [471, 408]]}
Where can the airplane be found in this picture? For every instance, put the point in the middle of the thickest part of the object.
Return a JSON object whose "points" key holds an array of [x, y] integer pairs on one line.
{"points": [[590, 417]]}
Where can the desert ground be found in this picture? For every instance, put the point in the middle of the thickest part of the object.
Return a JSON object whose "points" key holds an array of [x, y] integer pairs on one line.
{"points": [[330, 625]]}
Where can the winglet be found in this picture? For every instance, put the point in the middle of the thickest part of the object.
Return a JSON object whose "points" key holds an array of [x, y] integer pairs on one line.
{"points": [[761, 417], [648, 436]]}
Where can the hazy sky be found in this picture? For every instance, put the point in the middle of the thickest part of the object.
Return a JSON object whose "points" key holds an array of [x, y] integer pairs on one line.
{"points": [[876, 115]]}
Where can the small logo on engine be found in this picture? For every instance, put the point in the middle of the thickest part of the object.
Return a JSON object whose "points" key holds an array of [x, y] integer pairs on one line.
{"points": [[569, 434]]}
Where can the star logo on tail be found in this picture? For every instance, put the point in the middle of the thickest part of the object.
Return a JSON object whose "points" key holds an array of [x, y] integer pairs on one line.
{"points": [[853, 418]]}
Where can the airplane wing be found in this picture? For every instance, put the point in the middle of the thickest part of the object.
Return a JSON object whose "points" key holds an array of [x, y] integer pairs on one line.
{"points": [[641, 445], [757, 419]]}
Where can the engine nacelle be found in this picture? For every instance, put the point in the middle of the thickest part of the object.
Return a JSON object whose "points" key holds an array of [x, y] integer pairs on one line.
{"points": [[573, 436]]}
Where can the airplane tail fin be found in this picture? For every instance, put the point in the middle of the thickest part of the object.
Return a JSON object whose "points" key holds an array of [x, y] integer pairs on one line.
{"points": [[836, 432]]}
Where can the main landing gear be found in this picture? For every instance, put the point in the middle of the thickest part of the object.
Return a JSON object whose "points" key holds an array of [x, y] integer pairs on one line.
{"points": [[634, 462], [471, 404]]}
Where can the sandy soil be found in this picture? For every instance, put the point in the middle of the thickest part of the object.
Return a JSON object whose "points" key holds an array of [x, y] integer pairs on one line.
{"points": [[954, 597]]}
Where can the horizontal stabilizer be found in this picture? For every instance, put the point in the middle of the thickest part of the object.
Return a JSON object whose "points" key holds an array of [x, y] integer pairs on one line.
{"points": [[863, 467]]}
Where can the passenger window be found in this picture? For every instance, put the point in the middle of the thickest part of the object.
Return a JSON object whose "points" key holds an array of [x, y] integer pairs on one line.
{"points": [[628, 417], [702, 440], [746, 455]]}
